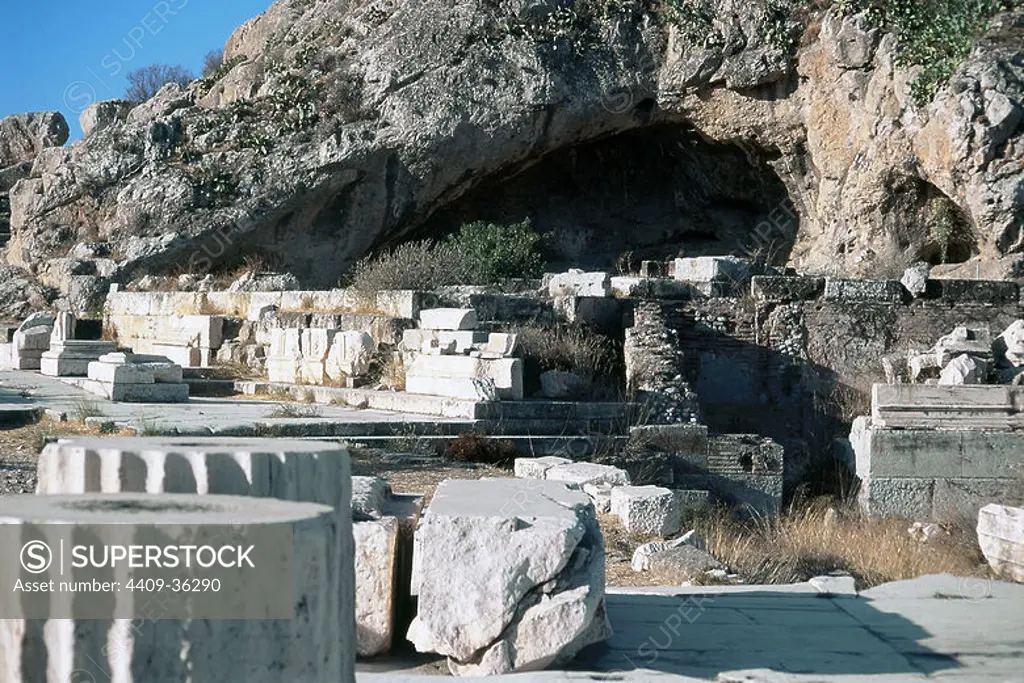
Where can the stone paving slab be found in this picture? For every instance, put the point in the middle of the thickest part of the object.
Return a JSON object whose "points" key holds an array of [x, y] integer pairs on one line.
{"points": [[200, 415], [935, 628]]}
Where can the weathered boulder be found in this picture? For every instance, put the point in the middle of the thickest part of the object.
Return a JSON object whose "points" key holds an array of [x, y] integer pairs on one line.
{"points": [[682, 563], [510, 575], [915, 278], [24, 136], [100, 115]]}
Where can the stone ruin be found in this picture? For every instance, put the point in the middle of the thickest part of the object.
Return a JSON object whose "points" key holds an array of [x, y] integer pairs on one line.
{"points": [[941, 446], [509, 576], [538, 590]]}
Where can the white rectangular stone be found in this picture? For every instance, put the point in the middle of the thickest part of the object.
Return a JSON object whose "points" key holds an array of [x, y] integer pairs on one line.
{"points": [[376, 553], [116, 374], [505, 373], [649, 510], [464, 340], [536, 468], [33, 339], [450, 319], [579, 283], [315, 343], [483, 550], [711, 269], [581, 473]]}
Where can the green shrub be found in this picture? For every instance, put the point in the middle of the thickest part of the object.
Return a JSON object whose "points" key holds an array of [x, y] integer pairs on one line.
{"points": [[935, 34], [479, 254], [492, 253]]}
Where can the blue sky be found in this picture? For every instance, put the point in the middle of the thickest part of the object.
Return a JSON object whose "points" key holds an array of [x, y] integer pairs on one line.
{"points": [[63, 54]]}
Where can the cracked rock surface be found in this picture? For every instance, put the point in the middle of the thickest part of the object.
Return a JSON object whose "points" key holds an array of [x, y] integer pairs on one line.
{"points": [[510, 575]]}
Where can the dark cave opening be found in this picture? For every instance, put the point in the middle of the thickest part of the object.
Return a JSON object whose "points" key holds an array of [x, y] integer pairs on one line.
{"points": [[653, 193]]}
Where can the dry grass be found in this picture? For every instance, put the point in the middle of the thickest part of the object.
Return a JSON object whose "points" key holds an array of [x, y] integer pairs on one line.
{"points": [[392, 371], [813, 541]]}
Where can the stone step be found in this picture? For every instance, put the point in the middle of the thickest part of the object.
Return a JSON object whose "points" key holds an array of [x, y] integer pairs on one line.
{"points": [[425, 404], [578, 447]]}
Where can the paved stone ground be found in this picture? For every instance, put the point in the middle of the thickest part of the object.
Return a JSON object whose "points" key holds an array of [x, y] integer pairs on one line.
{"points": [[935, 628], [221, 415]]}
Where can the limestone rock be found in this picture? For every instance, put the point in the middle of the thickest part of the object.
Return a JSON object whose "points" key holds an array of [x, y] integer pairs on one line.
{"points": [[265, 282], [24, 136], [1013, 340], [350, 355], [1001, 537], [101, 115], [376, 544], [369, 496], [583, 473], [510, 575], [309, 172], [650, 510], [915, 278], [448, 319], [536, 468], [682, 563]]}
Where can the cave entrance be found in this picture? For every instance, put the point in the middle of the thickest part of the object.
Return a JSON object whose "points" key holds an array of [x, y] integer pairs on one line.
{"points": [[653, 193]]}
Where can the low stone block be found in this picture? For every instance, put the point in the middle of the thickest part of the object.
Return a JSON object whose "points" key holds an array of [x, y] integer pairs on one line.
{"points": [[582, 473], [882, 291], [369, 496], [536, 468], [578, 283], [681, 563], [1001, 537], [102, 371], [650, 510], [283, 369], [466, 388], [464, 341], [32, 339], [449, 319], [71, 358], [711, 269], [431, 374], [784, 288]]}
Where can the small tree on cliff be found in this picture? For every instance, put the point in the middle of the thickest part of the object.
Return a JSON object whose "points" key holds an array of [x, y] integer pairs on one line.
{"points": [[212, 62], [145, 82]]}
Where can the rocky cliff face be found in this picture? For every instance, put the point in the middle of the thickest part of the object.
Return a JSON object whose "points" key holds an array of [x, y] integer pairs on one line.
{"points": [[339, 127]]}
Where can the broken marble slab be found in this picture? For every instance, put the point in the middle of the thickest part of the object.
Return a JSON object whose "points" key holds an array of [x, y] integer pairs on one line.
{"points": [[509, 575]]}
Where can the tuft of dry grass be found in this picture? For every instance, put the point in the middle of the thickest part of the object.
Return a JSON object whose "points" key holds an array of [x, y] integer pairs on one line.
{"points": [[392, 370], [591, 355], [817, 540]]}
